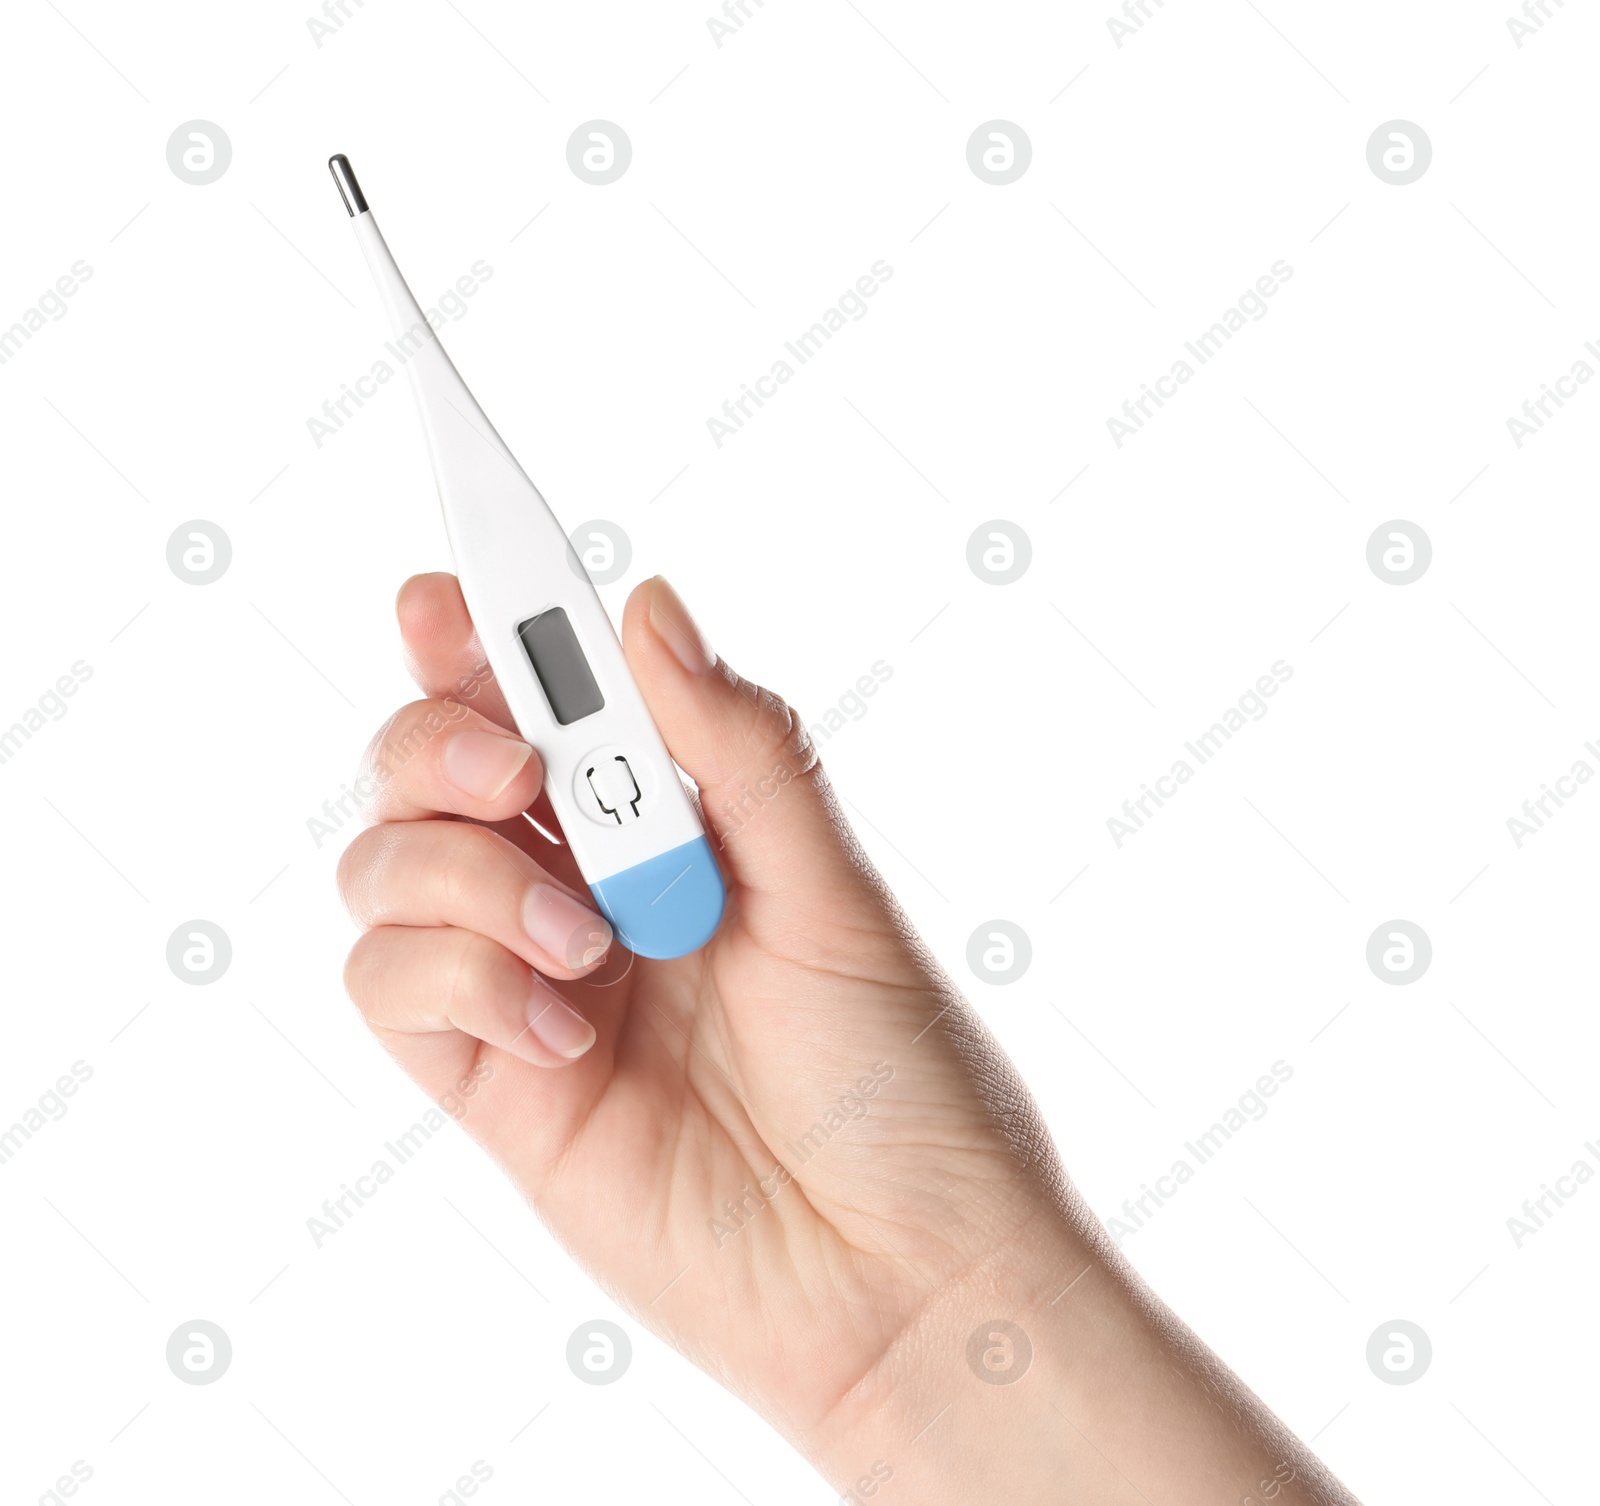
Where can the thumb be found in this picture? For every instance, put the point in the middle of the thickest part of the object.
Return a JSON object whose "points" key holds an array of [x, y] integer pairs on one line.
{"points": [[769, 809]]}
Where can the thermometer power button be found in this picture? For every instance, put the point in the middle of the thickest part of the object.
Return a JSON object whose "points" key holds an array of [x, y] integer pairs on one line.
{"points": [[612, 787]]}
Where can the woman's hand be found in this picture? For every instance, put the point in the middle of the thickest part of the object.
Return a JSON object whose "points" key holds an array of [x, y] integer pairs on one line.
{"points": [[797, 1154]]}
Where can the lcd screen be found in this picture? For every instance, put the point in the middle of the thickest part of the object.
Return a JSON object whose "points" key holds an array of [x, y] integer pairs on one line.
{"points": [[557, 658]]}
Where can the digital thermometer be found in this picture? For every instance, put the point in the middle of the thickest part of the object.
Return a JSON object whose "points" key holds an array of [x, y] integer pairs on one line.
{"points": [[626, 816]]}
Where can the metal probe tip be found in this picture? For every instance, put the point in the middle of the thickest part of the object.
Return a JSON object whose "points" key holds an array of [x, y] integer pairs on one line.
{"points": [[349, 190]]}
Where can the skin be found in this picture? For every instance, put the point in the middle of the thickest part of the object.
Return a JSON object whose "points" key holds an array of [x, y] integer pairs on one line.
{"points": [[832, 1282]]}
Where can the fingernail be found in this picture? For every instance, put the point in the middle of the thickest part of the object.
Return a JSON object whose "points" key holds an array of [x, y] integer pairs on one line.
{"points": [[482, 764], [677, 629], [564, 929], [557, 1025]]}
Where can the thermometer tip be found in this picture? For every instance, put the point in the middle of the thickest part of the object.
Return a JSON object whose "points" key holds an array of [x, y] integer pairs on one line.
{"points": [[349, 190]]}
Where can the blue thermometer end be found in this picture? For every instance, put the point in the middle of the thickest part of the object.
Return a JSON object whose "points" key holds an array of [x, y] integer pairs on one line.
{"points": [[666, 906]]}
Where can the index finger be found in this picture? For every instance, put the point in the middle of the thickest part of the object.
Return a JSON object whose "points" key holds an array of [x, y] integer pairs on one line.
{"points": [[442, 650], [447, 661], [443, 757]]}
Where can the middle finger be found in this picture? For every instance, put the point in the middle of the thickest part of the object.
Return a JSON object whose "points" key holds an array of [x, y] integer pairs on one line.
{"points": [[456, 873], [441, 756]]}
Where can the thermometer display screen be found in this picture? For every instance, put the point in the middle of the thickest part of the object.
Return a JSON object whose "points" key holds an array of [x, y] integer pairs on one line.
{"points": [[557, 658]]}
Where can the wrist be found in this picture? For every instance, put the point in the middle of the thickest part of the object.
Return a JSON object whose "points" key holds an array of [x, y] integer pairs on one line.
{"points": [[963, 1406], [1048, 1372]]}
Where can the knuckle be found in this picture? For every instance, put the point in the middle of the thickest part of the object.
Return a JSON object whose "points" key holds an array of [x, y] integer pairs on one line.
{"points": [[772, 738], [362, 867], [459, 855], [360, 969], [406, 734], [445, 866], [478, 969], [448, 975]]}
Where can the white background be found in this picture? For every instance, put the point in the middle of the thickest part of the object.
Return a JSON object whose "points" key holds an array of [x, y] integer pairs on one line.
{"points": [[768, 174]]}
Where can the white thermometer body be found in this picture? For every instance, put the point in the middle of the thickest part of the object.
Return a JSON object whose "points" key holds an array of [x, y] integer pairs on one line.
{"points": [[554, 652]]}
